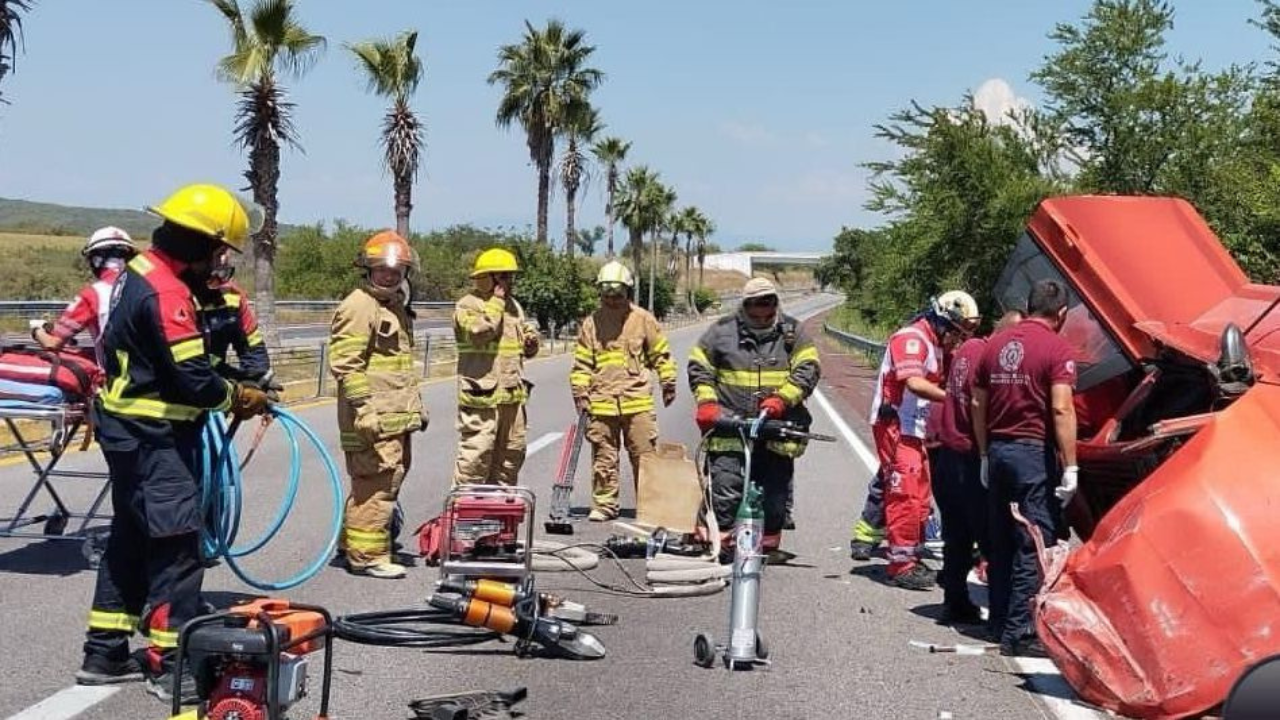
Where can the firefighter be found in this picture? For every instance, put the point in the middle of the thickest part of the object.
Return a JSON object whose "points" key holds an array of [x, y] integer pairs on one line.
{"points": [[1024, 425], [617, 348], [868, 530], [756, 359], [379, 405], [493, 342], [107, 251], [908, 382], [160, 384], [230, 323]]}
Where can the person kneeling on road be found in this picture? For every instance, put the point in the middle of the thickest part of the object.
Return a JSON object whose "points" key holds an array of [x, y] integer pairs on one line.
{"points": [[618, 346], [757, 359], [149, 421], [379, 405]]}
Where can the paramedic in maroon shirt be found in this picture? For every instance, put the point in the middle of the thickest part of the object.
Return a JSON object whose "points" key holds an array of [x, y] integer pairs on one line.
{"points": [[1024, 424], [962, 500]]}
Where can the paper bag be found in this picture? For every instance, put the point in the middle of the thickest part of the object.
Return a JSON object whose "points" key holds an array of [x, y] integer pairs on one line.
{"points": [[670, 492]]}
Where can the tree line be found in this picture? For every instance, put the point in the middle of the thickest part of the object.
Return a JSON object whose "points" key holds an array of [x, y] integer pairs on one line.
{"points": [[1120, 115]]}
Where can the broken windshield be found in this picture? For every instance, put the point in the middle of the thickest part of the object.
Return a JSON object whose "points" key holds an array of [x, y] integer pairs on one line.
{"points": [[1098, 357]]}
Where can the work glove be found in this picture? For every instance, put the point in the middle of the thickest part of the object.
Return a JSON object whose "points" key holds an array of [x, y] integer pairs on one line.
{"points": [[366, 423], [1070, 481], [983, 476], [668, 395], [581, 403], [248, 401], [773, 406], [531, 342], [707, 415]]}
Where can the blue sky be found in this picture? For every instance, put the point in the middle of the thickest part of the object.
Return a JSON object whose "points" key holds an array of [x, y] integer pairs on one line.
{"points": [[757, 112]]}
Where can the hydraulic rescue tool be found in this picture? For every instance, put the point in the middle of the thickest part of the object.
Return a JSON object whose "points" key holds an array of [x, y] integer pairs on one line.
{"points": [[250, 663], [746, 648], [511, 594], [480, 532], [562, 491], [523, 620]]}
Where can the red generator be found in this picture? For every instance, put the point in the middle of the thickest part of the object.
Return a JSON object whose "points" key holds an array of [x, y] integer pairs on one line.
{"points": [[478, 534]]}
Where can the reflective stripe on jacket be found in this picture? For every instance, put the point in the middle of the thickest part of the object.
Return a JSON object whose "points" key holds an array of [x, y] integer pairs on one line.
{"points": [[616, 350], [735, 367], [229, 320], [371, 357], [490, 333]]}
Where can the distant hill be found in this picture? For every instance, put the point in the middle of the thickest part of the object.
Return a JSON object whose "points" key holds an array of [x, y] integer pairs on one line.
{"points": [[37, 218]]}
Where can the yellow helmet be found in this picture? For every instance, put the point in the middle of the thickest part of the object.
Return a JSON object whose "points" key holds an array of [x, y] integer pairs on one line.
{"points": [[615, 272], [495, 260], [211, 210]]}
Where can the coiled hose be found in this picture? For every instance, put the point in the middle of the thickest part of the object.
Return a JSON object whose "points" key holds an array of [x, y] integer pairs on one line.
{"points": [[222, 499]]}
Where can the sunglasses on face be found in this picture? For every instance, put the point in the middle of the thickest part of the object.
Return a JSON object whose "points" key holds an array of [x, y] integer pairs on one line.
{"points": [[767, 302]]}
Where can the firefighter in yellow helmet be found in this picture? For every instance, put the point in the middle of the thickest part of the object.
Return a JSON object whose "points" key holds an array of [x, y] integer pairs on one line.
{"points": [[618, 346], [379, 406], [493, 342]]}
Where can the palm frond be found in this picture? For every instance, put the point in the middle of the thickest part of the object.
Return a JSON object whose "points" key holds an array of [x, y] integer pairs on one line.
{"points": [[402, 140]]}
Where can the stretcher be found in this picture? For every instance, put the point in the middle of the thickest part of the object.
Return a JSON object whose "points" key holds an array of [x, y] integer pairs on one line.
{"points": [[64, 421]]}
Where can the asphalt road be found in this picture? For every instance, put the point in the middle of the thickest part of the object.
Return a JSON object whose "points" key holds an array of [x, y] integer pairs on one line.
{"points": [[839, 641]]}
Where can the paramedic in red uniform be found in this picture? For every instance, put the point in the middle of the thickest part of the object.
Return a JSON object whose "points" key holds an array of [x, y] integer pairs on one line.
{"points": [[957, 485], [909, 381], [1024, 423], [149, 418], [107, 251]]}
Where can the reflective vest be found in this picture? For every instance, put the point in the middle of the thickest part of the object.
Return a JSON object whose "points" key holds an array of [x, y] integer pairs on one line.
{"points": [[229, 322], [371, 357], [735, 367], [612, 361], [490, 333]]}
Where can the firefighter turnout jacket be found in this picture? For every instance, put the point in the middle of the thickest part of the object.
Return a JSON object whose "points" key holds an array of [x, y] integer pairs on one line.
{"points": [[491, 334], [616, 350], [737, 366], [159, 377], [229, 323], [371, 357]]}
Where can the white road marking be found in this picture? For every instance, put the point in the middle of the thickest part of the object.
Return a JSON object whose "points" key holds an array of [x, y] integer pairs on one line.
{"points": [[542, 442], [639, 531], [66, 704], [1041, 673]]}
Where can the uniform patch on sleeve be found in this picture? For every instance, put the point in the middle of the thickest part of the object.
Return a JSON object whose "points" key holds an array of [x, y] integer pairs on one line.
{"points": [[913, 346]]}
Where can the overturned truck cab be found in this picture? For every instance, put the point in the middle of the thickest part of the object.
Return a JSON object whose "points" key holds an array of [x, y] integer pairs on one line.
{"points": [[1176, 590]]}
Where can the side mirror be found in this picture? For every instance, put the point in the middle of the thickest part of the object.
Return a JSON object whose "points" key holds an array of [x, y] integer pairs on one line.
{"points": [[1234, 368], [1256, 695]]}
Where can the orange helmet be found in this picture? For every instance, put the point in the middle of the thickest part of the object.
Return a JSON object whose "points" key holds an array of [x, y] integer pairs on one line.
{"points": [[387, 249]]}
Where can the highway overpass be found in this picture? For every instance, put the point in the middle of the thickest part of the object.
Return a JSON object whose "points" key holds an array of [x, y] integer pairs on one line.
{"points": [[747, 262]]}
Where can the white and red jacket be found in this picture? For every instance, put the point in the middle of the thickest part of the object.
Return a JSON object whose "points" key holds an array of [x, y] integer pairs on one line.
{"points": [[911, 352]]}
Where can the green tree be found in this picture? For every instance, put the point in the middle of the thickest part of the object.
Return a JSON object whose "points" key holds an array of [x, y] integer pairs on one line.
{"points": [[638, 205], [574, 168], [545, 81], [556, 289], [11, 40], [610, 152], [587, 240], [393, 70], [755, 247], [266, 41]]}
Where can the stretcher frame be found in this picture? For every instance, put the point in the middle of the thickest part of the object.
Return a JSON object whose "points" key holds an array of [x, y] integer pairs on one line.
{"points": [[65, 421]]}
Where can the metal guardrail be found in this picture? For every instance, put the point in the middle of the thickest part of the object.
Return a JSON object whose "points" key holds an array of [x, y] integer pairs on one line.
{"points": [[871, 348]]}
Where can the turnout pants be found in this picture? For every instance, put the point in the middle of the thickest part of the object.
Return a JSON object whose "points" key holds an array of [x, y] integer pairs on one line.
{"points": [[907, 498], [376, 476], [869, 527], [151, 571], [1022, 472], [607, 433], [771, 471], [957, 484], [491, 445]]}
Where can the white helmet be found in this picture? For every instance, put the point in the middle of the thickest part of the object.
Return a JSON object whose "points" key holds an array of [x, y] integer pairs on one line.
{"points": [[109, 238], [615, 272], [957, 307]]}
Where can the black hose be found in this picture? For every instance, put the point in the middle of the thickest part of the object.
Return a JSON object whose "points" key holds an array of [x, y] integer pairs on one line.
{"points": [[395, 628]]}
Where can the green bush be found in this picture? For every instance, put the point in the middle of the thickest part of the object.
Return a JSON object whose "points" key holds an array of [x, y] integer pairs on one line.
{"points": [[704, 298], [553, 288], [664, 294]]}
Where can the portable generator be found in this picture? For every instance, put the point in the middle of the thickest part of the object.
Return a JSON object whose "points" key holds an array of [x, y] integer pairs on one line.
{"points": [[481, 528], [250, 662]]}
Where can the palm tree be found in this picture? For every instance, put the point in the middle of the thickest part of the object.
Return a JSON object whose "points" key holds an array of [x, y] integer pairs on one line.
{"points": [[691, 222], [610, 152], [394, 70], [11, 39], [663, 202], [574, 168], [635, 205], [545, 81], [705, 228], [265, 41]]}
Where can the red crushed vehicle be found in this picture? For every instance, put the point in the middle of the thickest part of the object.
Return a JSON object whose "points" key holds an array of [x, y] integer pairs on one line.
{"points": [[1176, 590]]}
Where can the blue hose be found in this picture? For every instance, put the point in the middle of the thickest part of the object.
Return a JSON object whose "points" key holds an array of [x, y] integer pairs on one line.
{"points": [[222, 499]]}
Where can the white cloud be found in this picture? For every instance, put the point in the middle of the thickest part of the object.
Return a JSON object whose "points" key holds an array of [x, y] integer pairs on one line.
{"points": [[748, 134], [996, 99]]}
